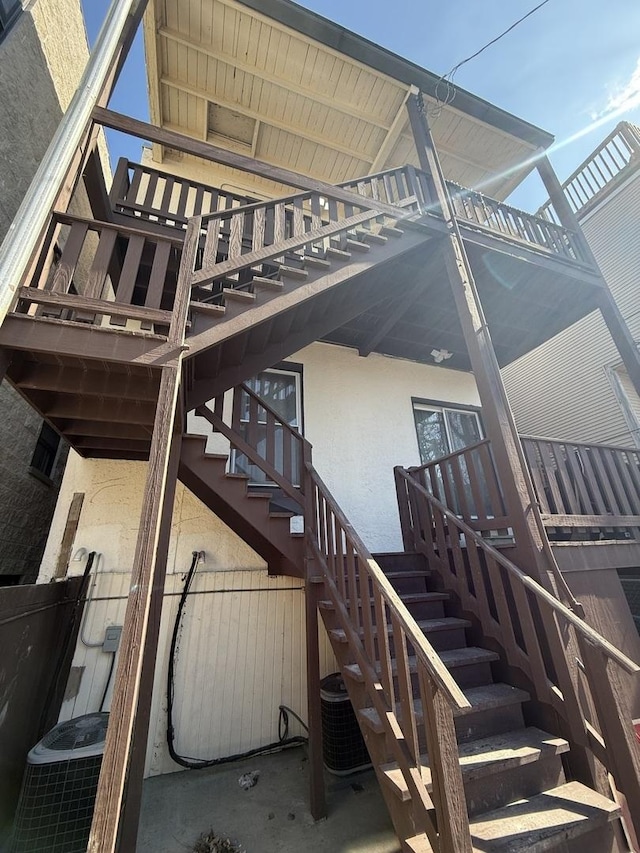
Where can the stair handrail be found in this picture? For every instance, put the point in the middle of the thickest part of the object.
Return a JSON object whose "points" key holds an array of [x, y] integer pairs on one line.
{"points": [[292, 482], [346, 563], [506, 614]]}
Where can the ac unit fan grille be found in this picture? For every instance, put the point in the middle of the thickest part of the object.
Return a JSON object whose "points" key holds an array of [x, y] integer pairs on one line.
{"points": [[56, 806]]}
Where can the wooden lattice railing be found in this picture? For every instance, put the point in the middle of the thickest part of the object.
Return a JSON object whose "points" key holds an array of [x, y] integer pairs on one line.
{"points": [[305, 223], [570, 666], [467, 482], [103, 274], [257, 432], [592, 486], [160, 197], [382, 637], [604, 168], [496, 216]]}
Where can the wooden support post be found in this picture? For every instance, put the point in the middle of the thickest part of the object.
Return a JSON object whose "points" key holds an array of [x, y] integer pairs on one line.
{"points": [[133, 793], [611, 314], [117, 754], [534, 553], [317, 798]]}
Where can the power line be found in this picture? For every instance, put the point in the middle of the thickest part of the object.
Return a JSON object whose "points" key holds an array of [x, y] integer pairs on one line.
{"points": [[448, 77]]}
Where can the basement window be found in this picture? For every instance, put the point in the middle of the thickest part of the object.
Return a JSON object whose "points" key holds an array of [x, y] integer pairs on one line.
{"points": [[44, 455], [230, 125]]}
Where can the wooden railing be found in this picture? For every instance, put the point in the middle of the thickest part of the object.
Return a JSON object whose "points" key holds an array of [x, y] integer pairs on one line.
{"points": [[168, 200], [585, 485], [569, 665], [103, 274], [160, 197], [304, 223], [467, 482], [258, 433], [377, 633], [495, 216], [602, 169]]}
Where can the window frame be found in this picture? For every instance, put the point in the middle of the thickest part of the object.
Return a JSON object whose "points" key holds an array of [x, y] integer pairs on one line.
{"points": [[442, 406]]}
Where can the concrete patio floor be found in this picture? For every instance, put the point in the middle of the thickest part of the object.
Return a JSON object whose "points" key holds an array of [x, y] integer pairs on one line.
{"points": [[271, 817]]}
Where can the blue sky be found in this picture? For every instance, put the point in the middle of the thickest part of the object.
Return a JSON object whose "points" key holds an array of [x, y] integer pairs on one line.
{"points": [[573, 68]]}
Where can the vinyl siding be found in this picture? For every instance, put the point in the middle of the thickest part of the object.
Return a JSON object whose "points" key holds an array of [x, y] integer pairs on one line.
{"points": [[562, 389]]}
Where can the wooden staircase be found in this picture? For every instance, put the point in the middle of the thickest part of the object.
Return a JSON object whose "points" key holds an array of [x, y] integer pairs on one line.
{"points": [[457, 744], [516, 792]]}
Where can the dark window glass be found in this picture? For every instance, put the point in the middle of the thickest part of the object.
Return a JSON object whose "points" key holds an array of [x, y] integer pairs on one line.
{"points": [[8, 12], [44, 454]]}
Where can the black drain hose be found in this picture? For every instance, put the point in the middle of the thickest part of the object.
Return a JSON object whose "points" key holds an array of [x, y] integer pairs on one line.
{"points": [[202, 763]]}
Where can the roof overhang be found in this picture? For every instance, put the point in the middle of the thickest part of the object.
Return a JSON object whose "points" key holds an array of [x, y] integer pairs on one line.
{"points": [[273, 80]]}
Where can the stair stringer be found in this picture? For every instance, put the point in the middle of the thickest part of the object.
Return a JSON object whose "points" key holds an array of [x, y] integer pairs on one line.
{"points": [[248, 516]]}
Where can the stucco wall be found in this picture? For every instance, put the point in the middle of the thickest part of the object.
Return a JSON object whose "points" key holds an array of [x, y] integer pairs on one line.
{"points": [[242, 645], [41, 60]]}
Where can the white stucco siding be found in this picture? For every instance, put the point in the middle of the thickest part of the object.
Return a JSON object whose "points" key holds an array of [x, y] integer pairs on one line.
{"points": [[242, 642], [359, 418], [562, 389]]}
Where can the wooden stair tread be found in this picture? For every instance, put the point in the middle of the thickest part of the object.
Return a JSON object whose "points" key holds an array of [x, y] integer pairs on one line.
{"points": [[537, 823], [445, 623], [479, 758], [409, 573], [491, 696], [208, 308], [484, 698], [466, 656], [340, 254], [357, 245], [239, 295], [317, 262], [294, 272], [267, 283]]}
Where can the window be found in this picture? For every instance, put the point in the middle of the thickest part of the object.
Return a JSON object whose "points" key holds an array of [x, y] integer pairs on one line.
{"points": [[8, 12], [441, 429], [281, 391], [45, 451]]}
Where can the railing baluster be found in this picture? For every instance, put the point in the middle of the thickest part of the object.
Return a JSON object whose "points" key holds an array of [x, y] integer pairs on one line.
{"points": [[63, 275], [405, 690], [128, 276], [448, 788]]}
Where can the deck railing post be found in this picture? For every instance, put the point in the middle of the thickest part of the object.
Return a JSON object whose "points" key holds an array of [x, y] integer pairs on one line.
{"points": [[144, 577], [533, 548]]}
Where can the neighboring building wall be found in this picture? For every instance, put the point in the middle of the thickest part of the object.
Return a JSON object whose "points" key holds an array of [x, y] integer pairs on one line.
{"points": [[242, 645], [566, 388], [42, 57]]}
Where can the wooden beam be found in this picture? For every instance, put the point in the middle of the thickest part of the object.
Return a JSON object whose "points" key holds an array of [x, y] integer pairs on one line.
{"points": [[267, 311], [70, 528], [89, 443], [534, 552], [93, 383], [89, 409], [133, 795], [147, 572], [75, 302], [216, 381], [393, 135], [206, 151], [79, 340], [77, 429]]}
